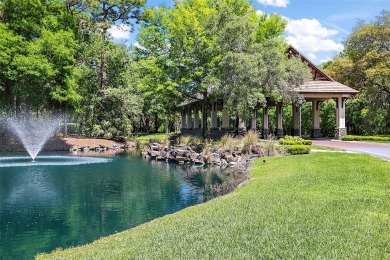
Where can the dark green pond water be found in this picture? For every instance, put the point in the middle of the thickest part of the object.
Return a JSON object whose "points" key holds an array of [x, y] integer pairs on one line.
{"points": [[44, 205]]}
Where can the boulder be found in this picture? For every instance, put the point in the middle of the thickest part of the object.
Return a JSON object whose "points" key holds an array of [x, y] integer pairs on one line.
{"points": [[224, 162], [181, 159], [195, 156], [154, 153], [256, 149], [198, 162], [232, 159]]}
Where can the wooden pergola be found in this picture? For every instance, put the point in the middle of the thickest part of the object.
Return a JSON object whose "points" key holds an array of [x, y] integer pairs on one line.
{"points": [[320, 88]]}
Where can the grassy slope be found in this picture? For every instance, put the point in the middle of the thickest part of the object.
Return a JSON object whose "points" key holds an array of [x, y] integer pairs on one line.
{"points": [[322, 205], [147, 137]]}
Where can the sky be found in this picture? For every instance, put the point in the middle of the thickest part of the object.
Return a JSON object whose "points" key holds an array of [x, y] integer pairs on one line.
{"points": [[316, 28]]}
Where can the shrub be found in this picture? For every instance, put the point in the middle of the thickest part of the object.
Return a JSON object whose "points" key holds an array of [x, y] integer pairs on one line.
{"points": [[228, 142], [184, 139], [269, 147], [298, 149], [291, 142], [250, 139], [294, 140], [365, 138]]}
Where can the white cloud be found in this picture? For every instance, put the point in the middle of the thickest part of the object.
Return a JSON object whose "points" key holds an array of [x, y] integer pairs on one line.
{"points": [[259, 12], [120, 32], [308, 27], [277, 3], [139, 46], [312, 56], [310, 37]]}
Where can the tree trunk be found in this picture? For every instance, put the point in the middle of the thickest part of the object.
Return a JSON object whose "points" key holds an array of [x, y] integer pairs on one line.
{"points": [[156, 123], [102, 70], [18, 104], [65, 127], [237, 123], [8, 98], [103, 62], [167, 126]]}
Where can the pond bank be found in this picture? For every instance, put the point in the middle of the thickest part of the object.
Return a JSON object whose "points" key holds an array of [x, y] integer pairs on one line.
{"points": [[293, 207]]}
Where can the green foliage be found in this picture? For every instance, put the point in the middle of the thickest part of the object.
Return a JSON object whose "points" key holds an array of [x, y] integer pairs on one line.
{"points": [[248, 141], [365, 138], [298, 149], [294, 140], [289, 200], [365, 65], [228, 142]]}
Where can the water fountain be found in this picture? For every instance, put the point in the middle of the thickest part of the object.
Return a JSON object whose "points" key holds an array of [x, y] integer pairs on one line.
{"points": [[33, 132]]}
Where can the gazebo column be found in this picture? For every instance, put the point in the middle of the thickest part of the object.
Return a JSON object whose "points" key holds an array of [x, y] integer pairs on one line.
{"points": [[183, 118], [196, 118], [316, 130], [279, 120], [265, 131], [225, 117], [214, 122], [241, 125], [189, 118], [340, 118], [253, 124], [201, 121], [295, 110]]}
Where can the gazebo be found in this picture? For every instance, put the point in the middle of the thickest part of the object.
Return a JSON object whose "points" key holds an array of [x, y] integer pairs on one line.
{"points": [[320, 88]]}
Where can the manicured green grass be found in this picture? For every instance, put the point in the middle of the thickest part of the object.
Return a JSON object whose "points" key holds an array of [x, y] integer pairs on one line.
{"points": [[157, 136], [316, 206], [325, 148]]}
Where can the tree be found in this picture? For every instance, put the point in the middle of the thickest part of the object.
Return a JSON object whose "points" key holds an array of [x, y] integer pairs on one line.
{"points": [[184, 48], [365, 65], [254, 65], [99, 16], [368, 47], [40, 72], [197, 44]]}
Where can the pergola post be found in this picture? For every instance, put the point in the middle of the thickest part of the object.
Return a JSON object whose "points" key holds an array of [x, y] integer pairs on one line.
{"points": [[241, 125], [279, 120], [340, 118], [316, 130], [189, 118], [214, 121], [295, 110], [265, 131], [253, 123], [201, 121], [183, 118], [225, 117], [196, 118]]}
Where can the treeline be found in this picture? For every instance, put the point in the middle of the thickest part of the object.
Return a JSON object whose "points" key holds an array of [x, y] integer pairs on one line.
{"points": [[365, 65], [58, 55]]}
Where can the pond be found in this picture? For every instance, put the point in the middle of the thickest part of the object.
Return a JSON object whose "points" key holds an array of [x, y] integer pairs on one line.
{"points": [[64, 201]]}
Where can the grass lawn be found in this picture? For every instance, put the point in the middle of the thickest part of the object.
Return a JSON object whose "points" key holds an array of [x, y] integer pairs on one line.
{"points": [[322, 205], [325, 148], [158, 136]]}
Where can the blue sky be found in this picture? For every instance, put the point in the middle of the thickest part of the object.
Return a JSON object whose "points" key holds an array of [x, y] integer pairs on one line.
{"points": [[316, 28]]}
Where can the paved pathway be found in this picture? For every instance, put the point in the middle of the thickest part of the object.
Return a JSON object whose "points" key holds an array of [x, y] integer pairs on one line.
{"points": [[379, 150]]}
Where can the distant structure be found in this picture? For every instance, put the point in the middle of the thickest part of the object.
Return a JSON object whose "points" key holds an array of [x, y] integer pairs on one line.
{"points": [[320, 88]]}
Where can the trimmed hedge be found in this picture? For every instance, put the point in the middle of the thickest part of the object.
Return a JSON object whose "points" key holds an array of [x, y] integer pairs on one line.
{"points": [[297, 142], [298, 149], [365, 138]]}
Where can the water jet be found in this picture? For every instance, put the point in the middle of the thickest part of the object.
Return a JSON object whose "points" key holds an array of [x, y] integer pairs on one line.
{"points": [[33, 132]]}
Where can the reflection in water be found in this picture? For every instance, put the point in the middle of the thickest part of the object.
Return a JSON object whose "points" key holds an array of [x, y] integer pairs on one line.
{"points": [[43, 207]]}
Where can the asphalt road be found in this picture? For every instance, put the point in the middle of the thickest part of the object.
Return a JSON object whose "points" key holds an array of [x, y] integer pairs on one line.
{"points": [[379, 150]]}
